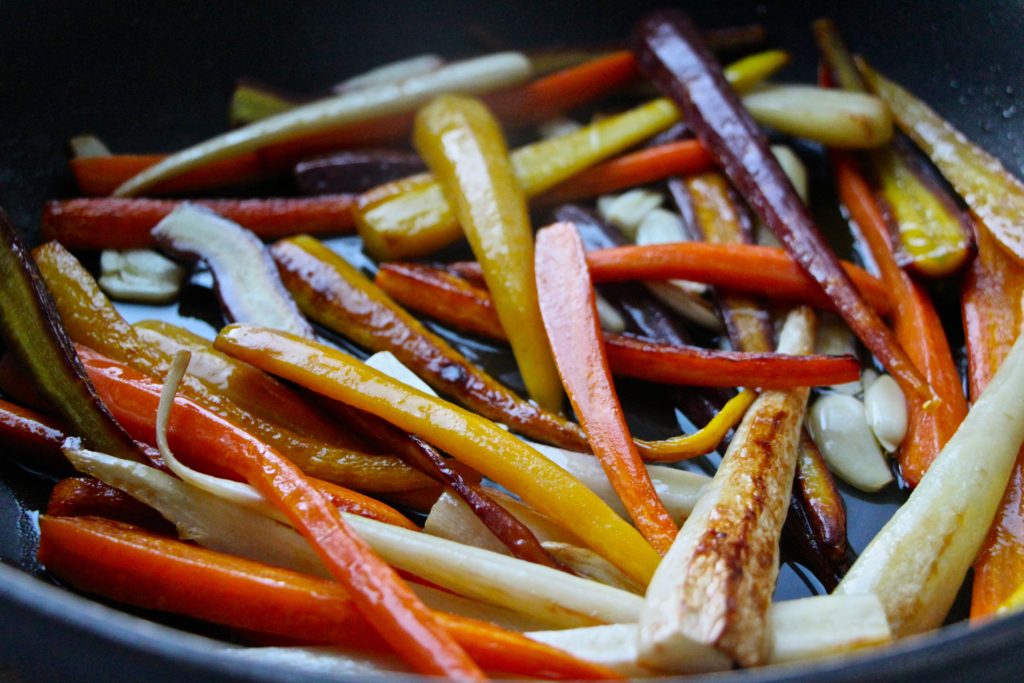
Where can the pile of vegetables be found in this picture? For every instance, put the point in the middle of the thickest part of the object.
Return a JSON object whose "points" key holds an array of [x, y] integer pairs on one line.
{"points": [[334, 466]]}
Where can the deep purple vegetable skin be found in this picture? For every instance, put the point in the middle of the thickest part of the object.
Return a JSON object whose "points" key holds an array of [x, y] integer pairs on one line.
{"points": [[354, 171], [671, 53]]}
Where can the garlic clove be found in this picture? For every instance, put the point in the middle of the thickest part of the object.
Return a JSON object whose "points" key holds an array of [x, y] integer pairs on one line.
{"points": [[838, 424], [140, 275], [628, 210], [886, 412]]}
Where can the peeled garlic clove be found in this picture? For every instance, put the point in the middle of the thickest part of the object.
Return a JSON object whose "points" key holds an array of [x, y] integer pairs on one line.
{"points": [[838, 424], [661, 226], [867, 378], [834, 338], [611, 319], [140, 275], [627, 210], [886, 412]]}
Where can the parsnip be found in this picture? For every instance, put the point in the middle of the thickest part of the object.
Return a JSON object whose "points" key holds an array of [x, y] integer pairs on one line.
{"points": [[716, 582], [918, 560]]}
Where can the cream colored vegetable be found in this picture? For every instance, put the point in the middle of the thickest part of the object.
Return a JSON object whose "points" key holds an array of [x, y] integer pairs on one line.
{"points": [[392, 72], [140, 275], [793, 168], [918, 560], [715, 584], [839, 427], [627, 210], [470, 76], [886, 410], [836, 118], [611, 319], [804, 629]]}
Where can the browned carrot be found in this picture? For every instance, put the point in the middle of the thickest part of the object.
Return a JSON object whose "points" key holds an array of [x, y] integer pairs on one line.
{"points": [[638, 168], [126, 223], [99, 176], [128, 565], [85, 497], [567, 307], [916, 325]]}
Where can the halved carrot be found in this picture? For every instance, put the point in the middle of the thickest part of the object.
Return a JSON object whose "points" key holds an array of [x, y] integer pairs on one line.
{"points": [[381, 597], [99, 176], [112, 223], [993, 313], [128, 565], [638, 168], [567, 307], [767, 271], [916, 325], [87, 497]]}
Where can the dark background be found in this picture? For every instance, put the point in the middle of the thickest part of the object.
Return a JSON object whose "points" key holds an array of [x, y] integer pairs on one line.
{"points": [[156, 76]]}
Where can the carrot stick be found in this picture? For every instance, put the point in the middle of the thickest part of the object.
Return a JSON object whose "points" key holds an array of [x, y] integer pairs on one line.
{"points": [[36, 436], [739, 267], [126, 223], [692, 365], [134, 567], [380, 596], [100, 176], [453, 301], [916, 325], [639, 168], [87, 497], [134, 397], [993, 313], [567, 307]]}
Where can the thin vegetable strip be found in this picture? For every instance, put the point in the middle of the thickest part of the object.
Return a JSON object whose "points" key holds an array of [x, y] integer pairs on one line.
{"points": [[671, 52], [570, 318], [917, 327], [130, 566], [463, 145], [126, 223], [465, 436], [739, 267]]}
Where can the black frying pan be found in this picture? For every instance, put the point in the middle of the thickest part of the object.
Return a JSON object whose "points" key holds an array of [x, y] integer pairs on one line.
{"points": [[156, 76]]}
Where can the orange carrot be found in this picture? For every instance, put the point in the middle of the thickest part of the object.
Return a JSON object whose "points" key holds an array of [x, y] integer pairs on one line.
{"points": [[86, 497], [993, 313], [130, 566], [464, 306], [639, 168], [126, 223], [134, 397], [916, 325], [398, 616], [567, 307], [767, 271]]}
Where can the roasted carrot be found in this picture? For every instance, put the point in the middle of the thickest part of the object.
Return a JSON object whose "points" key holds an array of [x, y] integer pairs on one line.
{"points": [[993, 314], [739, 267], [126, 223], [567, 307], [87, 497], [335, 294], [671, 52], [380, 596], [692, 365], [917, 327], [201, 436], [638, 168], [128, 565], [99, 176], [33, 435]]}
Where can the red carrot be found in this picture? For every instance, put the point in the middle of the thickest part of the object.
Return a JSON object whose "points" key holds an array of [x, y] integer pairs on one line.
{"points": [[567, 307], [126, 223]]}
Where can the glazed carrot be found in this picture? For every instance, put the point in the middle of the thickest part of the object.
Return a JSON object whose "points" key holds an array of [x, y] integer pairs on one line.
{"points": [[87, 497], [671, 52], [380, 596], [126, 223], [740, 267], [692, 365], [638, 168], [567, 307], [201, 436], [467, 437], [128, 565], [916, 325], [993, 315], [32, 434], [99, 176]]}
